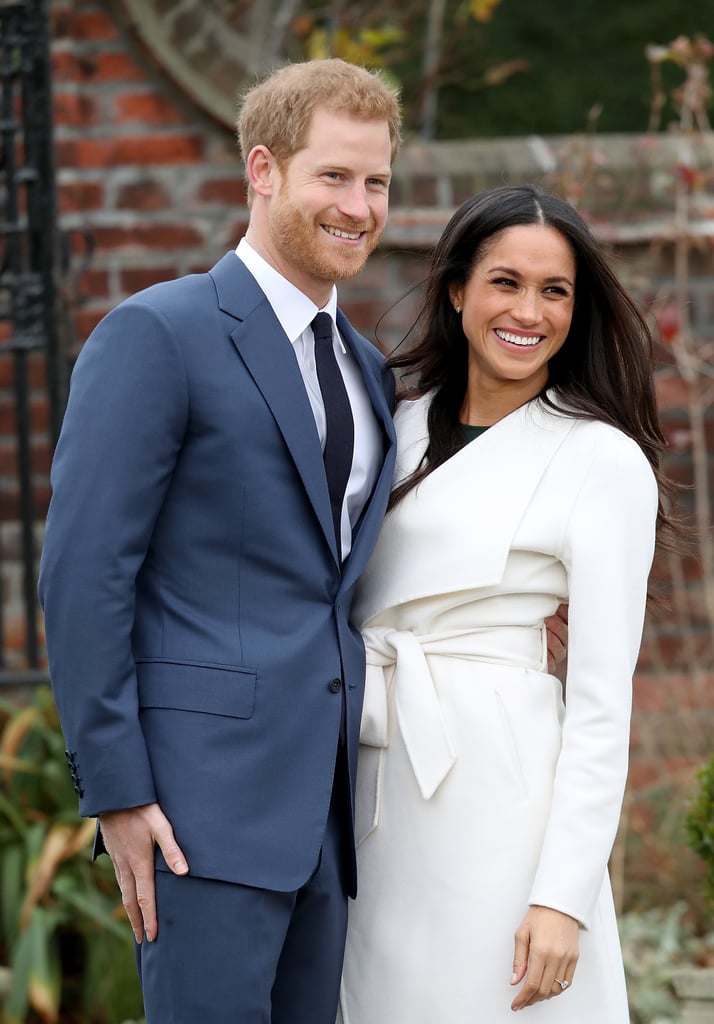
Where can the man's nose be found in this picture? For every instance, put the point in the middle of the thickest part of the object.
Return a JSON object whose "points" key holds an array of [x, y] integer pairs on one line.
{"points": [[354, 203]]}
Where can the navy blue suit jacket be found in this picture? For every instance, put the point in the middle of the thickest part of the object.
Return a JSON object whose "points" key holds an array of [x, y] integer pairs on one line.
{"points": [[197, 616]]}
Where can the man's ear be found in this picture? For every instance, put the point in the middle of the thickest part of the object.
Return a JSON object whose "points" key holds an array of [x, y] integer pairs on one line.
{"points": [[261, 170]]}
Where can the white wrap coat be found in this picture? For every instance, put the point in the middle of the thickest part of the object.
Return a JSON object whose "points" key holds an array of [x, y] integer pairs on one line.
{"points": [[481, 787]]}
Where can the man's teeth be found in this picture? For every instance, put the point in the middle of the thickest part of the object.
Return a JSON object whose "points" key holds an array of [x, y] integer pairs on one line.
{"points": [[341, 233], [519, 339]]}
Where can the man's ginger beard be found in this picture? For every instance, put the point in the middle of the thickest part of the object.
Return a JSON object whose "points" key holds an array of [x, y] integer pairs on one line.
{"points": [[304, 244]]}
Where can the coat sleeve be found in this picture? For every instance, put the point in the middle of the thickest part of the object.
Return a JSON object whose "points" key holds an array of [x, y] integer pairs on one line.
{"points": [[121, 436], [607, 549]]}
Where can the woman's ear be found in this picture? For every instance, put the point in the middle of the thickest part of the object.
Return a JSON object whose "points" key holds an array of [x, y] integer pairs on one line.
{"points": [[455, 294]]}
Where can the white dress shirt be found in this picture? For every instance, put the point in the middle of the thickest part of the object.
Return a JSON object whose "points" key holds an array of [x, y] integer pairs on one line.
{"points": [[295, 312]]}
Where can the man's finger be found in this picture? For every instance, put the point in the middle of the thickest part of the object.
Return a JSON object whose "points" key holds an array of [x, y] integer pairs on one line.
{"points": [[170, 849], [130, 903], [146, 901]]}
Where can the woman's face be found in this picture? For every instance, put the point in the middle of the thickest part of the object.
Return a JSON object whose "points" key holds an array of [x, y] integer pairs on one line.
{"points": [[517, 307]]}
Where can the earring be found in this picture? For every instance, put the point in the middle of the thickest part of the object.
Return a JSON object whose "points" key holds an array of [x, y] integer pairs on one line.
{"points": [[457, 308]]}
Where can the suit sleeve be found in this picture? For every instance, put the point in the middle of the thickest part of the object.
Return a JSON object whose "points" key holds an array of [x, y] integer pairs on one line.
{"points": [[607, 550], [121, 437]]}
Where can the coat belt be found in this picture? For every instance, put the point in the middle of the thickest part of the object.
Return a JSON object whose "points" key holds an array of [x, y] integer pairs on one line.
{"points": [[418, 712]]}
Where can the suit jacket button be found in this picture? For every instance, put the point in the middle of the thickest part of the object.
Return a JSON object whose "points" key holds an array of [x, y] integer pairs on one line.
{"points": [[336, 685]]}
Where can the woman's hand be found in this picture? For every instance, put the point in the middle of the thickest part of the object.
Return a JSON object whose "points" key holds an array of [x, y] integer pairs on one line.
{"points": [[546, 954]]}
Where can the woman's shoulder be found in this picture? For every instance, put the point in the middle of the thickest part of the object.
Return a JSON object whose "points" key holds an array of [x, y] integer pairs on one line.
{"points": [[596, 434], [610, 457], [410, 401], [411, 413]]}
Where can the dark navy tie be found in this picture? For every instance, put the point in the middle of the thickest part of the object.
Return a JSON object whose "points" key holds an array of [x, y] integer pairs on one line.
{"points": [[339, 443]]}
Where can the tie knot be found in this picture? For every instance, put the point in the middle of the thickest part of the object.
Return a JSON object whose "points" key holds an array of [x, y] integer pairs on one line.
{"points": [[322, 328]]}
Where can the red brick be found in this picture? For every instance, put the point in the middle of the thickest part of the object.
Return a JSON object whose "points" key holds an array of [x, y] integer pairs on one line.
{"points": [[75, 25], [10, 502], [116, 67], [644, 774], [672, 391], [137, 278], [8, 461], [65, 67], [149, 236], [364, 313], [111, 66], [34, 365], [80, 196], [144, 194], [228, 191], [76, 110], [92, 284], [672, 692], [39, 416], [40, 456], [425, 191], [130, 150], [148, 108], [680, 769], [85, 321]]}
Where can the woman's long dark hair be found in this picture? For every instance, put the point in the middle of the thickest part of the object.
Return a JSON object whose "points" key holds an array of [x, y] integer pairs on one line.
{"points": [[604, 369]]}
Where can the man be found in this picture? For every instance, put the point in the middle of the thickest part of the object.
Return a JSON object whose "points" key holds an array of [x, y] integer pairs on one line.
{"points": [[199, 566]]}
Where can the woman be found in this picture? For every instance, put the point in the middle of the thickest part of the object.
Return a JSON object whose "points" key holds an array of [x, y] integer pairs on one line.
{"points": [[527, 475]]}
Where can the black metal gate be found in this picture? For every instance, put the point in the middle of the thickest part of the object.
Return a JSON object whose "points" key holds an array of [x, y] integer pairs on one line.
{"points": [[31, 368]]}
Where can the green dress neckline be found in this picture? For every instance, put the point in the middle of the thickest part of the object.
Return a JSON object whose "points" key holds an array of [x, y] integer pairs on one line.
{"points": [[471, 432]]}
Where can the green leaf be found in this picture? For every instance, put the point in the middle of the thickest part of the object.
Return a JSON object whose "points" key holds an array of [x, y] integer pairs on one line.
{"points": [[44, 986], [13, 816], [21, 963], [11, 890], [92, 905]]}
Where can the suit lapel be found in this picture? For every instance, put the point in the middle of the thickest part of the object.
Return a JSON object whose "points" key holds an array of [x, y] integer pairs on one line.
{"points": [[365, 533], [268, 356]]}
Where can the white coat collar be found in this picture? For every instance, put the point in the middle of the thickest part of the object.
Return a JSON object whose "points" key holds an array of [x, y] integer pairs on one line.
{"points": [[483, 490]]}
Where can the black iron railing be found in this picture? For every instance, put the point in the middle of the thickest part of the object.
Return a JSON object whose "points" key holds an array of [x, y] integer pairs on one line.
{"points": [[29, 341]]}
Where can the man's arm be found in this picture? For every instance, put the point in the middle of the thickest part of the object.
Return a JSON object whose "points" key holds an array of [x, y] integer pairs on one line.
{"points": [[122, 432]]}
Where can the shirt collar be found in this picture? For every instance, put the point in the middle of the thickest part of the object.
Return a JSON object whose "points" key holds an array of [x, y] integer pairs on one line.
{"points": [[291, 306]]}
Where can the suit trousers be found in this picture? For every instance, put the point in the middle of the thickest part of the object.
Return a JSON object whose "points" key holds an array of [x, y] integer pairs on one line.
{"points": [[233, 954]]}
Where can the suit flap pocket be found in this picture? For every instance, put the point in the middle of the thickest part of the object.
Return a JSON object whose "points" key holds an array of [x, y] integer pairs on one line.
{"points": [[189, 686]]}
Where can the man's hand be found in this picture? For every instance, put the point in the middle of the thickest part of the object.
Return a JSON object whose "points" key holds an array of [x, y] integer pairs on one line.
{"points": [[557, 632], [129, 837], [546, 955]]}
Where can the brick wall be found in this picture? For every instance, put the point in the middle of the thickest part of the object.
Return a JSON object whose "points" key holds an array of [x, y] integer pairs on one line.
{"points": [[149, 188]]}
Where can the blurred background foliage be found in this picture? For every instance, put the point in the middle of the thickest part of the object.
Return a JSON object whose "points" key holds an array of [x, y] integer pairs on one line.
{"points": [[63, 931], [475, 68]]}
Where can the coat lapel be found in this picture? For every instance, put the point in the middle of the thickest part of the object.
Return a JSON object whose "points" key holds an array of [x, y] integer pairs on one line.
{"points": [[268, 356], [482, 491], [365, 533]]}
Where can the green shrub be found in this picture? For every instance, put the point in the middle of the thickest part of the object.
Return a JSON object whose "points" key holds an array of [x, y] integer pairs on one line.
{"points": [[62, 926], [699, 824]]}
